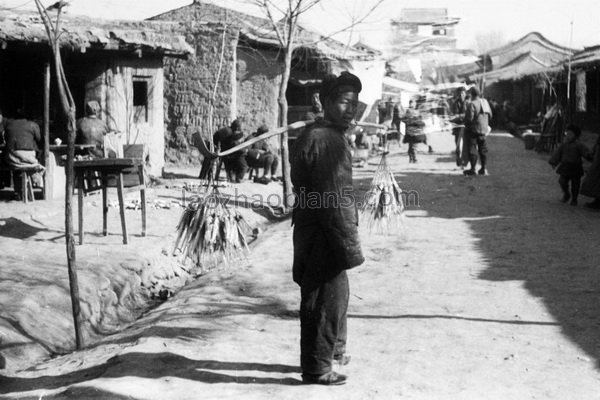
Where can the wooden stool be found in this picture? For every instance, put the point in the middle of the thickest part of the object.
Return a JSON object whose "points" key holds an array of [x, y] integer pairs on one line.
{"points": [[26, 185], [24, 175]]}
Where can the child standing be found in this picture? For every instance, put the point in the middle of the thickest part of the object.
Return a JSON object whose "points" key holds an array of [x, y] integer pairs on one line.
{"points": [[567, 160]]}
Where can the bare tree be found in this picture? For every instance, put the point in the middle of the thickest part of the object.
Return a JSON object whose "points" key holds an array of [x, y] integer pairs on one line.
{"points": [[68, 108], [286, 31]]}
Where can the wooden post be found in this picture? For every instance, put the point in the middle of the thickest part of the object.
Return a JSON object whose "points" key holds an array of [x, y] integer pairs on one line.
{"points": [[48, 178], [483, 76], [285, 154], [122, 206], [568, 116]]}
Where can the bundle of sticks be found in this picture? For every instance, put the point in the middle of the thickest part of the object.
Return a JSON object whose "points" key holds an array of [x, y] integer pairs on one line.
{"points": [[383, 207], [210, 233]]}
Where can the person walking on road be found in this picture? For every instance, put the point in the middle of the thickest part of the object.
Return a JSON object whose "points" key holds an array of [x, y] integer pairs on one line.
{"points": [[326, 241], [414, 130], [568, 162], [459, 107], [477, 116]]}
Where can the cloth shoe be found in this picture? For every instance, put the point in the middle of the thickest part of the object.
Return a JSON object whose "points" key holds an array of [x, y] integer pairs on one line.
{"points": [[483, 171], [263, 179], [469, 172], [329, 378]]}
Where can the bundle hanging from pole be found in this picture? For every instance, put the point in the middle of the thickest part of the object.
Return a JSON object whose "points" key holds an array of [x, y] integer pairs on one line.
{"points": [[210, 233], [383, 207]]}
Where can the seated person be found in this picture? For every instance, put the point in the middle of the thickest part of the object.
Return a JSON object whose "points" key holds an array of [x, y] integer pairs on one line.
{"points": [[261, 155], [235, 164], [91, 130], [22, 138]]}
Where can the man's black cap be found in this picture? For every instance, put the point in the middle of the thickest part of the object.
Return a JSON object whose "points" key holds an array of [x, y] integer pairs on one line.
{"points": [[332, 82]]}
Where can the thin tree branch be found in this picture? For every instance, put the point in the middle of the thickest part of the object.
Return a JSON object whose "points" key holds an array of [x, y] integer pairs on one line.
{"points": [[354, 23], [280, 37], [308, 6], [214, 93], [46, 20]]}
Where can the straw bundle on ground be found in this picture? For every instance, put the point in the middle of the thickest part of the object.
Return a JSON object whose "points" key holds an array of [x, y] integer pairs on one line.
{"points": [[383, 206], [210, 233]]}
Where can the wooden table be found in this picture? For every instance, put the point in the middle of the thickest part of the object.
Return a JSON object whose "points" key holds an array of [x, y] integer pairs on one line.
{"points": [[54, 179], [63, 147], [109, 168]]}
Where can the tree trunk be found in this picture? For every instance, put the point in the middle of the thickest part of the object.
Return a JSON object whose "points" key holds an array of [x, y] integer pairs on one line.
{"points": [[68, 109], [69, 236], [48, 179], [283, 108]]}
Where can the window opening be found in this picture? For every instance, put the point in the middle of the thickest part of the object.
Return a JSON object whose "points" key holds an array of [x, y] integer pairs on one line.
{"points": [[140, 100]]}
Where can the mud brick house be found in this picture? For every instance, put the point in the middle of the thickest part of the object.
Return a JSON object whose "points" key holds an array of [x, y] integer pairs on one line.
{"points": [[119, 64], [584, 107], [242, 52]]}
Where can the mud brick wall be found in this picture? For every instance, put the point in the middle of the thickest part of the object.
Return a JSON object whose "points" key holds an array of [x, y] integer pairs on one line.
{"points": [[258, 78], [189, 84], [248, 84], [189, 87]]}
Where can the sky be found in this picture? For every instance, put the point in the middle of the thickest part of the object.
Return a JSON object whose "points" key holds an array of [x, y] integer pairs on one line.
{"points": [[507, 19]]}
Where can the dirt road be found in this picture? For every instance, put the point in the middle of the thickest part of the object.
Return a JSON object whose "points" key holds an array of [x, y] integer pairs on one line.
{"points": [[492, 292]]}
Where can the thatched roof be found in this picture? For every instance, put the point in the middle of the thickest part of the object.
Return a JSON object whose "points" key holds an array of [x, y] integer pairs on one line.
{"points": [[259, 31], [326, 47], [81, 33]]}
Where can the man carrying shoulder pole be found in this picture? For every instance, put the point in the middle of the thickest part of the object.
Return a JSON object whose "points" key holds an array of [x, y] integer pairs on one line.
{"points": [[326, 241]]}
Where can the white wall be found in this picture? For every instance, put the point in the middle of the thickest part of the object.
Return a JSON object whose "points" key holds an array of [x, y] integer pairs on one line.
{"points": [[119, 108]]}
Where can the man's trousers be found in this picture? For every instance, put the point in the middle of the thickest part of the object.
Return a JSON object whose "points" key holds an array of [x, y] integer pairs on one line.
{"points": [[323, 313]]}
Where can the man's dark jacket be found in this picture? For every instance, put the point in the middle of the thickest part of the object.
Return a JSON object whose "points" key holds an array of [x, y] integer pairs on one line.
{"points": [[325, 217], [22, 134]]}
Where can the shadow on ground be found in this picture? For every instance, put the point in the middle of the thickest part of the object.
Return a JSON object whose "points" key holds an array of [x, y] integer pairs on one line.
{"points": [[16, 229], [180, 175], [158, 365], [523, 232]]}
